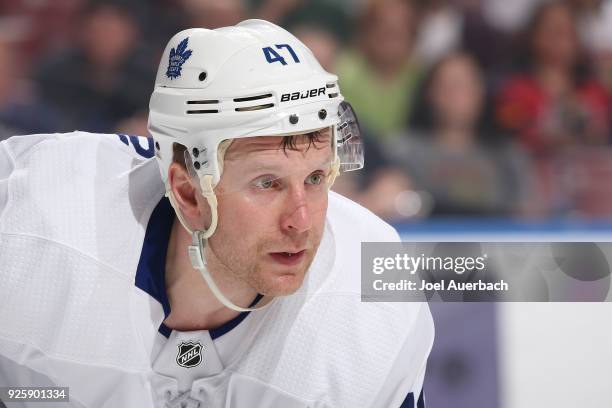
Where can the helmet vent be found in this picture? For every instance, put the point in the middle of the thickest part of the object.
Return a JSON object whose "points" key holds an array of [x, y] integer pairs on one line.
{"points": [[198, 111], [331, 85], [253, 108], [253, 98], [206, 102], [333, 95]]}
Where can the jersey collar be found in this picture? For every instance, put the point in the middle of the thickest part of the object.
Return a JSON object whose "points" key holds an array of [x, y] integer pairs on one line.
{"points": [[150, 273]]}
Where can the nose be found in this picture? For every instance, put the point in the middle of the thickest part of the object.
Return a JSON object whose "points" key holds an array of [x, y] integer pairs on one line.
{"points": [[297, 217]]}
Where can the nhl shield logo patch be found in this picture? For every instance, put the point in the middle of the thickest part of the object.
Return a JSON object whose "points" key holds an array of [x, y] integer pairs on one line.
{"points": [[189, 354]]}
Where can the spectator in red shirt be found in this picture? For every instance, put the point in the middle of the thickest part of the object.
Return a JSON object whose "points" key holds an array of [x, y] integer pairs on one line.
{"points": [[553, 102]]}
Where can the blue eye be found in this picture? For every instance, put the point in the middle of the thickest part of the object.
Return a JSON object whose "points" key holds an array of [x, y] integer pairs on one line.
{"points": [[316, 179], [265, 183]]}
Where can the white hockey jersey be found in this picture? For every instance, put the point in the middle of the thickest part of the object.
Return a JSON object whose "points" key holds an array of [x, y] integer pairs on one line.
{"points": [[83, 229]]}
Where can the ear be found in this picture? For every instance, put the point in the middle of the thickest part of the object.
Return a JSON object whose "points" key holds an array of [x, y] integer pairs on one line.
{"points": [[192, 205]]}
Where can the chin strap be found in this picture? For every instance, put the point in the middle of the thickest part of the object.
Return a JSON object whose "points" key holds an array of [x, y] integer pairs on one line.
{"points": [[196, 256], [199, 238]]}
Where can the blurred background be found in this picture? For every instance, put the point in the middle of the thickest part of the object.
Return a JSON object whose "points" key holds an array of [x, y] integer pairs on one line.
{"points": [[482, 117]]}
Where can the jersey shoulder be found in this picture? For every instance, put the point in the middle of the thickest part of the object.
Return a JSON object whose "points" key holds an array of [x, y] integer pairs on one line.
{"points": [[348, 225], [73, 213], [79, 190], [346, 216], [21, 148]]}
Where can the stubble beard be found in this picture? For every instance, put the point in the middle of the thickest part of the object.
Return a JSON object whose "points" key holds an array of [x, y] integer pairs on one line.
{"points": [[249, 267]]}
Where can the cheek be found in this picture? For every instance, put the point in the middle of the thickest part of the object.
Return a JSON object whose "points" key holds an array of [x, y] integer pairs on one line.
{"points": [[318, 213], [236, 239], [241, 219]]}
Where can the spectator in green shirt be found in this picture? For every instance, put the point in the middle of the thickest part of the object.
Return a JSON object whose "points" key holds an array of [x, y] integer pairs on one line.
{"points": [[379, 75]]}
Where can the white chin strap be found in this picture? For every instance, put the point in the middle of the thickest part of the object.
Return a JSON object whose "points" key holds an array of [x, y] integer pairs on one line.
{"points": [[196, 249]]}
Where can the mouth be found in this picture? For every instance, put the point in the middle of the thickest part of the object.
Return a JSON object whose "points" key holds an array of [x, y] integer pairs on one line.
{"points": [[288, 258]]}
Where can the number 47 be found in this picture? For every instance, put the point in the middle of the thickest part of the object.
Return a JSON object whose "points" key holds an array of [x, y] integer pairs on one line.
{"points": [[273, 56]]}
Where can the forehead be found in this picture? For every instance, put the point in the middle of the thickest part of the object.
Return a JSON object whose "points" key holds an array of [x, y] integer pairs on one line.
{"points": [[301, 147]]}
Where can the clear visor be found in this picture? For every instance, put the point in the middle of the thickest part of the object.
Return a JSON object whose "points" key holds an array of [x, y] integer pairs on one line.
{"points": [[348, 139]]}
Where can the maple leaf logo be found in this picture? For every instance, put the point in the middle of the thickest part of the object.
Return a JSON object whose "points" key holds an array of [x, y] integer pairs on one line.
{"points": [[177, 58]]}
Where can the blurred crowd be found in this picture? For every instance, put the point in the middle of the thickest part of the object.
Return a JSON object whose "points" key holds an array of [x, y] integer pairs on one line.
{"points": [[488, 108]]}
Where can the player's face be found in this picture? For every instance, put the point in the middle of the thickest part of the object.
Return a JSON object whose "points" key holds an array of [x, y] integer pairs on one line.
{"points": [[272, 204]]}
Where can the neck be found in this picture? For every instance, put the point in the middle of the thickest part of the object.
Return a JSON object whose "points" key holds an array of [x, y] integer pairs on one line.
{"points": [[192, 303], [388, 70], [456, 138]]}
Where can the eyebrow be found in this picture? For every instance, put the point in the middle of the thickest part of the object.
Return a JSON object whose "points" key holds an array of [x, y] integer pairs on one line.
{"points": [[266, 166]]}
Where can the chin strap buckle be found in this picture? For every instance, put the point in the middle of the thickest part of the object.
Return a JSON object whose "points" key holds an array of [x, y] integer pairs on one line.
{"points": [[196, 256]]}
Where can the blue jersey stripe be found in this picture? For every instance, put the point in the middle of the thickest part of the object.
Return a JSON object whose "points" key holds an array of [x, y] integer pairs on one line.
{"points": [[409, 401], [421, 401], [150, 273]]}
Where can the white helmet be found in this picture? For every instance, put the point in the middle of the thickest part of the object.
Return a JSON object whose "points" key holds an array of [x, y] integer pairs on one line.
{"points": [[252, 79]]}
